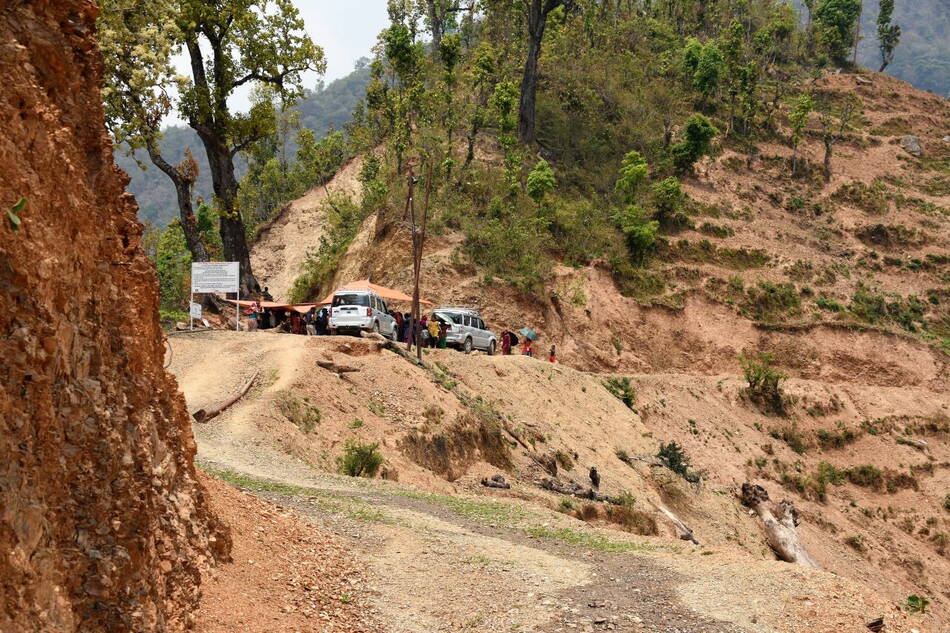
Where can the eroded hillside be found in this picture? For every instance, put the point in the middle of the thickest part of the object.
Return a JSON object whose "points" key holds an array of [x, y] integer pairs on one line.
{"points": [[463, 418], [103, 525]]}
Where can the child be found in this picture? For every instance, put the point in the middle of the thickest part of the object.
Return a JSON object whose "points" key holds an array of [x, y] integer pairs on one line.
{"points": [[526, 349], [552, 356]]}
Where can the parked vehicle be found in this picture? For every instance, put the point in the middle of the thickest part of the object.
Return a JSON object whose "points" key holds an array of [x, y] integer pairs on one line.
{"points": [[467, 330], [355, 311]]}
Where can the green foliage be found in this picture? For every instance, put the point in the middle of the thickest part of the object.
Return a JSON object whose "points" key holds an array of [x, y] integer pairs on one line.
{"points": [[764, 382], [866, 476], [668, 199], [621, 389], [298, 411], [540, 181], [344, 219], [639, 231], [673, 457], [173, 264], [916, 604], [634, 171], [359, 459], [697, 134], [888, 33], [768, 301], [13, 214], [835, 25]]}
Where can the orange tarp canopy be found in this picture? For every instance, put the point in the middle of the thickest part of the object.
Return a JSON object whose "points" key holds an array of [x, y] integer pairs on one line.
{"points": [[302, 308], [386, 293]]}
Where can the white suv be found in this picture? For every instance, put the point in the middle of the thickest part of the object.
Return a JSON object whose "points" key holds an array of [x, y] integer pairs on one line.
{"points": [[468, 331], [353, 311]]}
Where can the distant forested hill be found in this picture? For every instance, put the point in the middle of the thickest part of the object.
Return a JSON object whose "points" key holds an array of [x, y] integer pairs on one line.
{"points": [[923, 55], [328, 106]]}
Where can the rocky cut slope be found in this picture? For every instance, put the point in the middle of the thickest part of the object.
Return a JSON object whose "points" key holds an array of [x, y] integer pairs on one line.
{"points": [[103, 526]]}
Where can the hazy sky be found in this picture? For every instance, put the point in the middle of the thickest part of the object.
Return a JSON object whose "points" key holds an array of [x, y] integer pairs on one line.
{"points": [[346, 29]]}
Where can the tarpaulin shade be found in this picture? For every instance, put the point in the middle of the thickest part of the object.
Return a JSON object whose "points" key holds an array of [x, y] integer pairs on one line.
{"points": [[387, 294], [302, 308]]}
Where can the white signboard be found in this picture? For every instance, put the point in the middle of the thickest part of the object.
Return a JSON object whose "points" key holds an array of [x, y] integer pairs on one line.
{"points": [[215, 276], [194, 309]]}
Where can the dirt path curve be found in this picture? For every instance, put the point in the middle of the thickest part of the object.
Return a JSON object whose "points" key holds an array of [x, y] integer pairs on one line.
{"points": [[443, 563], [281, 250]]}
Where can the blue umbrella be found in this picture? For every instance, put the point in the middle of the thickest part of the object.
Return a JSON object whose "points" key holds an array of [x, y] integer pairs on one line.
{"points": [[528, 333]]}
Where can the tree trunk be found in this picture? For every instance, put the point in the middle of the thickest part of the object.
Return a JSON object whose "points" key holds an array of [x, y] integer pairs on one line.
{"points": [[225, 185], [829, 146], [183, 185], [436, 25], [537, 17], [780, 527]]}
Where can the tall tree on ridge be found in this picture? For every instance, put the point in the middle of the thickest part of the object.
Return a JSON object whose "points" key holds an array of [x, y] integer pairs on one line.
{"points": [[888, 34], [536, 12]]}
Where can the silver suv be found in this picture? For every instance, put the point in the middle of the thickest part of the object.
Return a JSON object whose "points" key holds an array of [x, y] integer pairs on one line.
{"points": [[360, 310], [467, 330]]}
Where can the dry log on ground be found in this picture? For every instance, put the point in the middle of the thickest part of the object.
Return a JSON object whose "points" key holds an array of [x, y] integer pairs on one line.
{"points": [[573, 489], [336, 368], [496, 482], [780, 523], [684, 530], [203, 415]]}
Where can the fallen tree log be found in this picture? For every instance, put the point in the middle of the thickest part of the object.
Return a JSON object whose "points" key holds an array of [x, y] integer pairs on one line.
{"points": [[779, 525], [496, 482], [336, 368], [684, 530], [573, 489], [203, 415]]}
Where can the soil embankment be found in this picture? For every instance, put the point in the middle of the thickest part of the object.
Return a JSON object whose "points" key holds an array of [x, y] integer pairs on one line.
{"points": [[103, 524]]}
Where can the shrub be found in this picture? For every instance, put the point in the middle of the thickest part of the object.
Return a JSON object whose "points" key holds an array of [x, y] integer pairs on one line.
{"points": [[827, 304], [794, 438], [697, 134], [632, 519], [916, 604], [672, 456], [768, 301], [359, 460], [298, 411], [621, 389], [765, 384], [867, 476], [836, 439], [563, 460], [946, 503], [856, 543]]}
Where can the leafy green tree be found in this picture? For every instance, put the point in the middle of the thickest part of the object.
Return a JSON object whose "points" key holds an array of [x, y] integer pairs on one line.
{"points": [[138, 41], [798, 118], [634, 171], [888, 34], [230, 44], [696, 142], [836, 22], [540, 181], [667, 198], [173, 264], [536, 15], [482, 79], [709, 68], [640, 232]]}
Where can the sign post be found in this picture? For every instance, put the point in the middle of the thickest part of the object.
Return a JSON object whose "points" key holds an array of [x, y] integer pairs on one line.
{"points": [[217, 277]]}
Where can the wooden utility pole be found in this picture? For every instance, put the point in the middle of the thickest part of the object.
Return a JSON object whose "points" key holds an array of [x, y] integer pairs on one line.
{"points": [[418, 242]]}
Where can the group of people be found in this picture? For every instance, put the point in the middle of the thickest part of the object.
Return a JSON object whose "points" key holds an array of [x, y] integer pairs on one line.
{"points": [[432, 328], [314, 322]]}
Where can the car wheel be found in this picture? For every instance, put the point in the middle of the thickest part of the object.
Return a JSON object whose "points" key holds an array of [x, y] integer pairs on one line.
{"points": [[468, 346], [491, 348]]}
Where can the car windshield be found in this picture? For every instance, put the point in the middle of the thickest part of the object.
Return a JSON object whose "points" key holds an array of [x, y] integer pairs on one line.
{"points": [[350, 300], [446, 317]]}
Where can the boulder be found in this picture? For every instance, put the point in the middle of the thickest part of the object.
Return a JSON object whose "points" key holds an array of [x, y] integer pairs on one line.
{"points": [[911, 145]]}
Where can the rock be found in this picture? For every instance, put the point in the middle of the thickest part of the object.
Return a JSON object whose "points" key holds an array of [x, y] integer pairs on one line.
{"points": [[911, 145], [863, 81], [101, 410]]}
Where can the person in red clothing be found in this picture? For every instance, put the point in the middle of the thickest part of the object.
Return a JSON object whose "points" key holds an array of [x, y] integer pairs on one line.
{"points": [[526, 348], [506, 343], [552, 356]]}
